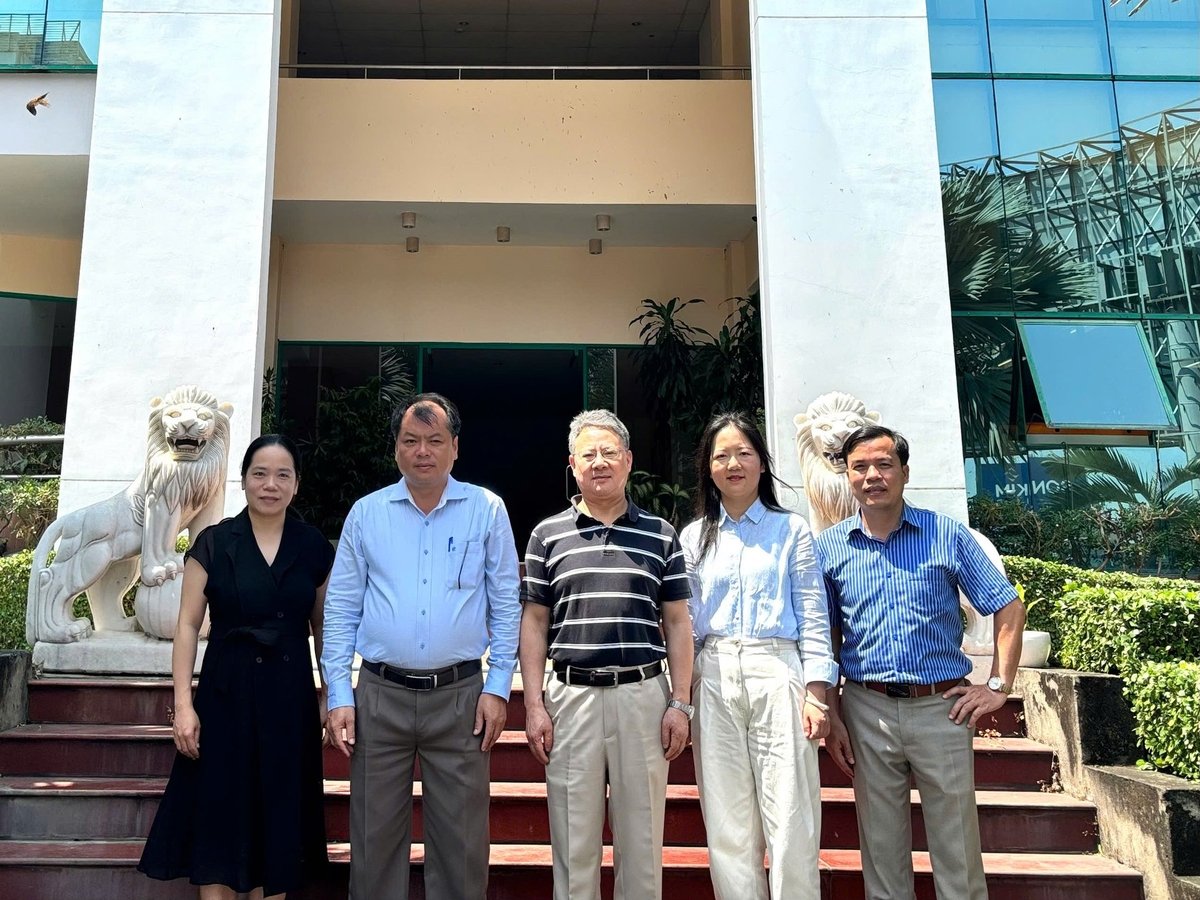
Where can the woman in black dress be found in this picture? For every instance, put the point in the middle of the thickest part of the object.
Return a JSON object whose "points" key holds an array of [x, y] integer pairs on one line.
{"points": [[244, 808]]}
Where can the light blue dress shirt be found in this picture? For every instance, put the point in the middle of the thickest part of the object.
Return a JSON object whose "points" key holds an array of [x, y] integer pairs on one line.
{"points": [[423, 591], [761, 579]]}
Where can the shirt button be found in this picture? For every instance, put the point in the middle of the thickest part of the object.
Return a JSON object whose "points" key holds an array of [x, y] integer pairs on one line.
{"points": [[426, 552], [258, 659], [286, 658], [424, 581], [422, 612], [422, 646], [279, 615]]}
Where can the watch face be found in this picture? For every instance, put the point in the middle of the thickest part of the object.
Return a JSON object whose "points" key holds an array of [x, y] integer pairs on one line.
{"points": [[995, 683]]}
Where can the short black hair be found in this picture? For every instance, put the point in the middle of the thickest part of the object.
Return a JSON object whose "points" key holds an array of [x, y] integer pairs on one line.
{"points": [[870, 433], [271, 440], [422, 407]]}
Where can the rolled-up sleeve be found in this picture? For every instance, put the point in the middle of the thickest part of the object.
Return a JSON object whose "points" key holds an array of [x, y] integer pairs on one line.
{"points": [[343, 612], [811, 609]]}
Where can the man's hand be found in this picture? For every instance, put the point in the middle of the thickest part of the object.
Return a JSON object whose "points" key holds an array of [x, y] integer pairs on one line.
{"points": [[185, 728], [974, 700], [539, 732], [674, 732], [340, 727], [491, 712], [837, 743]]}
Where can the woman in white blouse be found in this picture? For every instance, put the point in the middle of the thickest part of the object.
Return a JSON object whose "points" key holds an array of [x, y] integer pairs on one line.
{"points": [[764, 662]]}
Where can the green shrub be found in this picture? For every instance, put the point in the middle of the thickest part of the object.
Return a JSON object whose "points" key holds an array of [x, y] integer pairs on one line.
{"points": [[1117, 630], [1166, 707], [14, 583], [27, 507], [31, 459]]}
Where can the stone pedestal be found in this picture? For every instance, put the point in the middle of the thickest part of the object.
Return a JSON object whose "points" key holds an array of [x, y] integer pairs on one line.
{"points": [[110, 653]]}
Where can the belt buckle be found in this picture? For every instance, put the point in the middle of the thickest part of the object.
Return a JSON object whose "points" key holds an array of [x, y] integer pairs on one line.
{"points": [[900, 691], [603, 679], [429, 686]]}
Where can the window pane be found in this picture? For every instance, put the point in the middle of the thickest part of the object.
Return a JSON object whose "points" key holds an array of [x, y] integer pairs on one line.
{"points": [[1064, 184], [1070, 360], [1161, 201], [957, 36], [35, 358], [1175, 345], [602, 378], [1162, 39], [965, 114], [1048, 36], [984, 347], [72, 33]]}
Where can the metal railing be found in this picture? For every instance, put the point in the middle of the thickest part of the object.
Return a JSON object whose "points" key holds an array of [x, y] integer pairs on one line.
{"points": [[30, 440], [550, 73]]}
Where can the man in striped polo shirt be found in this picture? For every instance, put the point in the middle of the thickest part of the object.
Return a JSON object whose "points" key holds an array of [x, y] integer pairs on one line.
{"points": [[605, 593], [892, 574]]}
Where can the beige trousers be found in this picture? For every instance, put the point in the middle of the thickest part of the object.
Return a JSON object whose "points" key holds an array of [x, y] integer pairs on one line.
{"points": [[893, 738], [394, 728], [760, 790], [607, 736]]}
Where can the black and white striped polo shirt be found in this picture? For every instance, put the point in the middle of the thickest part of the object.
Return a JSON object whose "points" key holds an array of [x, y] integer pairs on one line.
{"points": [[605, 585]]}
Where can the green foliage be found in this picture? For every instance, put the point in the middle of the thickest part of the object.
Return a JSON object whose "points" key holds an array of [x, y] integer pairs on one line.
{"points": [[653, 494], [14, 586], [1165, 697], [31, 459], [27, 508], [1117, 630], [1067, 535]]}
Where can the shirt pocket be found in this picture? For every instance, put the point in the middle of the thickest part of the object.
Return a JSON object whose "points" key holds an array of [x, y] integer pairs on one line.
{"points": [[465, 568]]}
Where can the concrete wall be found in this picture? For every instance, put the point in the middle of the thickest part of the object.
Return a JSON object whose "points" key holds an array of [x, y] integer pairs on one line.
{"points": [[65, 129], [30, 264], [614, 142], [339, 292]]}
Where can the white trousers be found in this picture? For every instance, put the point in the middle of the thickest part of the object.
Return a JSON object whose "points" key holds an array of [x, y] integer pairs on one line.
{"points": [[607, 736], [757, 773]]}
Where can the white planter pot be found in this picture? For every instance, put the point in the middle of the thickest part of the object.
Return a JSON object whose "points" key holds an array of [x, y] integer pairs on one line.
{"points": [[1035, 649]]}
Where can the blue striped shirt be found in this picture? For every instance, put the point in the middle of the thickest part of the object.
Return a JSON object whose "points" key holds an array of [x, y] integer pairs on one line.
{"points": [[760, 579], [896, 600]]}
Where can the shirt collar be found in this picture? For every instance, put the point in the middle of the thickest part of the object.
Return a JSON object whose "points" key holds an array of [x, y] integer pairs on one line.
{"points": [[631, 510], [754, 513], [455, 490], [907, 517]]}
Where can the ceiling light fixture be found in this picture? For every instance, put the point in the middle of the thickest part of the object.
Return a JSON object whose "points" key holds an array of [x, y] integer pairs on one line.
{"points": [[412, 244], [603, 222], [408, 220], [595, 246], [503, 234]]}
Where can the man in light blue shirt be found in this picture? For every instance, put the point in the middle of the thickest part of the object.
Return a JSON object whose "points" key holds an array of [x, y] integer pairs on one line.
{"points": [[425, 580]]}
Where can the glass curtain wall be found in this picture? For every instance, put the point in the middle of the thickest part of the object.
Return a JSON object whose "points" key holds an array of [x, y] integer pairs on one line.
{"points": [[49, 34], [1069, 145]]}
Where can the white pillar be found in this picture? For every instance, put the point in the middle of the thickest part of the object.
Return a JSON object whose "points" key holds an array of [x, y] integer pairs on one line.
{"points": [[852, 249], [173, 275]]}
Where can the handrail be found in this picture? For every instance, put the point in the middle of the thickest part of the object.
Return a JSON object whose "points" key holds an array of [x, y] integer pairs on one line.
{"points": [[742, 71], [32, 439]]}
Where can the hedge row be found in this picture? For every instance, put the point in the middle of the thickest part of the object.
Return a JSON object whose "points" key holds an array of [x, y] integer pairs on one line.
{"points": [[1147, 630]]}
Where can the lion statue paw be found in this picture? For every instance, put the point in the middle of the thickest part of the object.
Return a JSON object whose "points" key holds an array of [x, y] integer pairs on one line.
{"points": [[100, 547]]}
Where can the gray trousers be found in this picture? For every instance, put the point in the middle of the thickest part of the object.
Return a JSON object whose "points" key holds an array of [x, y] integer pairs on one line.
{"points": [[893, 738], [395, 727]]}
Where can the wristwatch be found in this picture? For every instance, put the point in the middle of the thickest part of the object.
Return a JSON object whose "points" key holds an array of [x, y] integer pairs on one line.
{"points": [[995, 683], [684, 708]]}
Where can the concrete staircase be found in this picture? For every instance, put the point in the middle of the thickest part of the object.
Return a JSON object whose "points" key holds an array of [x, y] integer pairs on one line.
{"points": [[80, 783]]}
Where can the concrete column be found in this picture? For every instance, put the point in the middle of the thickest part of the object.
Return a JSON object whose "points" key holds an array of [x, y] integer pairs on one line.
{"points": [[173, 275], [851, 243]]}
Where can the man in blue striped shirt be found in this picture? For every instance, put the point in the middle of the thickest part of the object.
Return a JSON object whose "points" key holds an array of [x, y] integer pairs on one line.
{"points": [[892, 574]]}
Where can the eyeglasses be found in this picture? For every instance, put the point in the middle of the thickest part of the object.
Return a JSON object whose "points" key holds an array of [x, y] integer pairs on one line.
{"points": [[608, 454]]}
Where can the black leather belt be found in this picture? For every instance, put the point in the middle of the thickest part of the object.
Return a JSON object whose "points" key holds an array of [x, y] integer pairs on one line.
{"points": [[605, 677], [909, 691], [424, 679]]}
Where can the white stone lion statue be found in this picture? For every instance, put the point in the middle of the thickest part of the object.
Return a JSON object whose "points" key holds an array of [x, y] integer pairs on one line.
{"points": [[103, 548], [820, 433]]}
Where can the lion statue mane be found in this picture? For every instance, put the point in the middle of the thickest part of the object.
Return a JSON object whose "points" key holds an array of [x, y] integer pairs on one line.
{"points": [[820, 433], [103, 548]]}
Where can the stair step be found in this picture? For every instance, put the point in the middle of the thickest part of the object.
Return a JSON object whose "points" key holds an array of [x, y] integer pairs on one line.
{"points": [[34, 808], [94, 869], [147, 750], [116, 701]]}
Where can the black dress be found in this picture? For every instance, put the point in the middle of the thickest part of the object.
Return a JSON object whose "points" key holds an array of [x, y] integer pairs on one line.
{"points": [[250, 811]]}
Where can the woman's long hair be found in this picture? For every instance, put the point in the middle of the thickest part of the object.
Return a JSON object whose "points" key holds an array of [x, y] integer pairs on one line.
{"points": [[708, 501]]}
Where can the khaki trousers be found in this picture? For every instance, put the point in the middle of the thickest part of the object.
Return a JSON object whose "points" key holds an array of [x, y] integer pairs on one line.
{"points": [[893, 738], [394, 728], [757, 772], [607, 736]]}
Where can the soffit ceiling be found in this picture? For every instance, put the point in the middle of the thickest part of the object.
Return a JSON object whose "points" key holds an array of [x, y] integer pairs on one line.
{"points": [[501, 32]]}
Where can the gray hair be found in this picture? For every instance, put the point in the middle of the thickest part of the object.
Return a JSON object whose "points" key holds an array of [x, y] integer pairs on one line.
{"points": [[597, 418]]}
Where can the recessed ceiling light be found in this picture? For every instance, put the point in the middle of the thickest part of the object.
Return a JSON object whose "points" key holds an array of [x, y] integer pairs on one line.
{"points": [[635, 24]]}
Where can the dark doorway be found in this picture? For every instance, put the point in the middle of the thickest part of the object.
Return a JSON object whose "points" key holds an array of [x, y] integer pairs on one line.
{"points": [[516, 406]]}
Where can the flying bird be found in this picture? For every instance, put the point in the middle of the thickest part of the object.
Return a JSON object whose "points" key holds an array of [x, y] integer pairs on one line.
{"points": [[33, 104]]}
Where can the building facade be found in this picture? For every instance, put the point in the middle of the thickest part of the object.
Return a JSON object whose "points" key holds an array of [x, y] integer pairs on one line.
{"points": [[474, 196]]}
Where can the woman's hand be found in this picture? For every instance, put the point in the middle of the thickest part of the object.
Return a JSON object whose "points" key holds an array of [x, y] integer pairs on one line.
{"points": [[185, 728], [323, 713], [816, 722]]}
